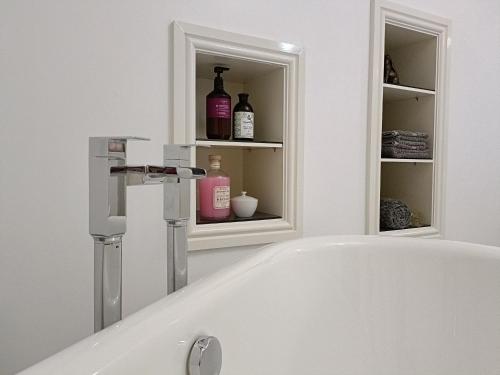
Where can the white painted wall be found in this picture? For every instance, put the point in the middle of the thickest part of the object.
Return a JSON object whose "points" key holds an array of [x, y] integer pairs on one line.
{"points": [[73, 69]]}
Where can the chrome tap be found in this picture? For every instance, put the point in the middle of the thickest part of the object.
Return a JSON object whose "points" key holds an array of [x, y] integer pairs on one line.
{"points": [[109, 176], [176, 212], [107, 222]]}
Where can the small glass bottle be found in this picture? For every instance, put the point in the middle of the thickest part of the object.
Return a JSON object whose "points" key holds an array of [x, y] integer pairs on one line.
{"points": [[215, 192], [243, 119]]}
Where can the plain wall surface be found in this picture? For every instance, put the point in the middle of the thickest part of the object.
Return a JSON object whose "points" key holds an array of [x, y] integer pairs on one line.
{"points": [[74, 69]]}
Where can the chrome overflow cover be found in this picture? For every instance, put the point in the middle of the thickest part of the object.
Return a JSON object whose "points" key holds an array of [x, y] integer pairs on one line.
{"points": [[205, 357]]}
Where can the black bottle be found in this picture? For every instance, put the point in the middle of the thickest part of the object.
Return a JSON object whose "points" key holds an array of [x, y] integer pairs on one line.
{"points": [[243, 119], [219, 109]]}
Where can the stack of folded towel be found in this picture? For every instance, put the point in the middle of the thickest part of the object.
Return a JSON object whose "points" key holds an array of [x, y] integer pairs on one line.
{"points": [[394, 214], [405, 144]]}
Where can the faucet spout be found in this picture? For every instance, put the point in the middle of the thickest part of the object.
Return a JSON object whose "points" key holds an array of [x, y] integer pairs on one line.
{"points": [[152, 174]]}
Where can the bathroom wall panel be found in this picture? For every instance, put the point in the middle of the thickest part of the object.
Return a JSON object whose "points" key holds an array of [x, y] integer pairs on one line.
{"points": [[70, 73]]}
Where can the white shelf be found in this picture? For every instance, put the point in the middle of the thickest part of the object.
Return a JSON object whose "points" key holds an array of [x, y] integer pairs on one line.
{"points": [[390, 160], [238, 144], [395, 92]]}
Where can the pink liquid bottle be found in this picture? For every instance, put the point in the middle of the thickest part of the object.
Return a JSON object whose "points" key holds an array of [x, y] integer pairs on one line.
{"points": [[215, 192]]}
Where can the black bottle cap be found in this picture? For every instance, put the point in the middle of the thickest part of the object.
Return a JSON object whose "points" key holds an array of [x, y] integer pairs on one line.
{"points": [[218, 83], [219, 70]]}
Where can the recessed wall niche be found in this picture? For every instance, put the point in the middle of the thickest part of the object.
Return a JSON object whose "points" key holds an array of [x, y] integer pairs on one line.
{"points": [[407, 169], [268, 168]]}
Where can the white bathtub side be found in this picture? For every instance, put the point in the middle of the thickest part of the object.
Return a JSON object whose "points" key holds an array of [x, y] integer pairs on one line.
{"points": [[331, 305]]}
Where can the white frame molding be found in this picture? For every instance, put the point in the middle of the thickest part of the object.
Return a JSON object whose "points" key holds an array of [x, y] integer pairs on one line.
{"points": [[189, 39], [383, 12]]}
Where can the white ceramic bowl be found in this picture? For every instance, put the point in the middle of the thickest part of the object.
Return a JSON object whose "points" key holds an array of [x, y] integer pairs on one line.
{"points": [[243, 205]]}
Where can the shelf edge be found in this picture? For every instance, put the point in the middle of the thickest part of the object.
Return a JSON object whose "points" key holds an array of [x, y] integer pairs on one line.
{"points": [[409, 89], [421, 161], [237, 144]]}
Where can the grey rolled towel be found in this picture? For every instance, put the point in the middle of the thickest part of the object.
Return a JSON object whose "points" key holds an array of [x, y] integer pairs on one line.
{"points": [[394, 214]]}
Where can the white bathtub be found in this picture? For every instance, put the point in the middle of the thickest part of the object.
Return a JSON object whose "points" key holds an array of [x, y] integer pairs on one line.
{"points": [[330, 305]]}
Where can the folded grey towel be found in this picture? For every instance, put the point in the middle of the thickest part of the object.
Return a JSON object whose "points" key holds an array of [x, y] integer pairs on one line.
{"points": [[394, 214], [404, 136], [407, 145], [404, 133], [401, 153]]}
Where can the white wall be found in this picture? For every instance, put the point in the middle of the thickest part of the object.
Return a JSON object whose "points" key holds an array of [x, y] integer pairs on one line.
{"points": [[73, 69]]}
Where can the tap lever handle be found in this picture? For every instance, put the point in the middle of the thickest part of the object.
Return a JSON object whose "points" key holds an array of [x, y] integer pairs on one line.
{"points": [[175, 152], [127, 169], [111, 147], [191, 173], [130, 138], [123, 139], [143, 174]]}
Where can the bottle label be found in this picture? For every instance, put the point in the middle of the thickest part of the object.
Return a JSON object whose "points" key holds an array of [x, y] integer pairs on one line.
{"points": [[219, 108], [221, 197], [243, 124]]}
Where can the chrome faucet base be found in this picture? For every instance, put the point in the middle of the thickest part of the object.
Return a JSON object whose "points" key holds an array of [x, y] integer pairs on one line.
{"points": [[107, 281], [177, 275]]}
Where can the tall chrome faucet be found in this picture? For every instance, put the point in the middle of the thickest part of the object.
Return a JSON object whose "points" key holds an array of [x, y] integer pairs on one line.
{"points": [[109, 176], [176, 210]]}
